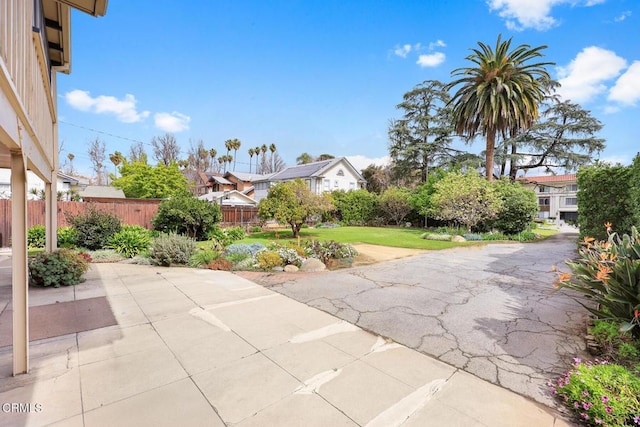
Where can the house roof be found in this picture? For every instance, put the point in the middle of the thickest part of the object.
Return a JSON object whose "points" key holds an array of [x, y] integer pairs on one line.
{"points": [[220, 180], [549, 178], [232, 197], [102, 191], [247, 177], [302, 171]]}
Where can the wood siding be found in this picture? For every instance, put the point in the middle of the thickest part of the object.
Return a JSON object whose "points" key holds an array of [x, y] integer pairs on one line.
{"points": [[129, 213]]}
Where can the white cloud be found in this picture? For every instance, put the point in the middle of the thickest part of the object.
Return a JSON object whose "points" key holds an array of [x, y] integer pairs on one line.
{"points": [[402, 51], [172, 122], [124, 109], [627, 88], [522, 14], [584, 77], [361, 162], [437, 43], [431, 60], [623, 16]]}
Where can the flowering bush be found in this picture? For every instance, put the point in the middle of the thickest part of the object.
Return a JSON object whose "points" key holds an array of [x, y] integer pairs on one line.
{"points": [[600, 393], [325, 251], [608, 273], [267, 260], [244, 249]]}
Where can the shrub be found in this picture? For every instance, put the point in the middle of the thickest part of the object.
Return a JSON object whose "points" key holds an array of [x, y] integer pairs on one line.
{"points": [[267, 260], [62, 267], [525, 236], [203, 257], [519, 207], [325, 251], [245, 249], [237, 257], [67, 237], [470, 236], [170, 249], [434, 236], [358, 207], [36, 237], [494, 236], [600, 393], [256, 229], [130, 240], [105, 255], [248, 263], [186, 214], [223, 237], [608, 273], [94, 228], [220, 264]]}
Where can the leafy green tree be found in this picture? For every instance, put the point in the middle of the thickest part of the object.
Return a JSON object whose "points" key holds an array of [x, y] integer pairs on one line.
{"points": [[142, 181], [357, 207], [423, 134], [304, 158], [420, 198], [519, 206], [564, 137], [604, 197], [500, 94], [378, 178], [466, 199], [293, 203], [395, 204], [186, 214]]}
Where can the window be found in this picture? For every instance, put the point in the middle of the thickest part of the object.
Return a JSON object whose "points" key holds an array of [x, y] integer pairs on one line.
{"points": [[544, 189], [335, 184], [572, 188], [326, 185], [544, 201], [571, 201], [340, 172]]}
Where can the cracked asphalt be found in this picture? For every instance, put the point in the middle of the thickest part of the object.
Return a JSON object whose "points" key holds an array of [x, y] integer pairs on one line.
{"points": [[488, 310]]}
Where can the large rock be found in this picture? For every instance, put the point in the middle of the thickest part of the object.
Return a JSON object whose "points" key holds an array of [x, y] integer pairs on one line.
{"points": [[291, 268], [458, 239], [312, 264]]}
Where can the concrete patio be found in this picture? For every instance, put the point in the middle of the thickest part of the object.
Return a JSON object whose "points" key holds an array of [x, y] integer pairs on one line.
{"points": [[200, 347]]}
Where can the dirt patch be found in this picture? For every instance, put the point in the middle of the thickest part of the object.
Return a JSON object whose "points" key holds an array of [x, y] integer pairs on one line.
{"points": [[371, 254]]}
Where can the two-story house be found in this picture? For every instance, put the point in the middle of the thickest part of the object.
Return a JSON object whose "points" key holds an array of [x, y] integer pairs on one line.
{"points": [[557, 196], [35, 43], [324, 176]]}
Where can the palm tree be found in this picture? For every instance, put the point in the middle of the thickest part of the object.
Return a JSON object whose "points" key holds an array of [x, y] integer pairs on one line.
{"points": [[236, 147], [221, 159], [70, 156], [229, 160], [251, 153], [500, 94], [257, 153], [273, 149], [116, 158]]}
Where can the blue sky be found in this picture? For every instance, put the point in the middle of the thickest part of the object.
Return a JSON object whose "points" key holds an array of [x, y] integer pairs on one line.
{"points": [[323, 76]]}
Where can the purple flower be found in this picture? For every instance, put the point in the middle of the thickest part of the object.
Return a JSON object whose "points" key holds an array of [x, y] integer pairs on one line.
{"points": [[605, 399], [598, 421], [608, 409], [576, 361], [576, 405], [585, 393], [586, 405], [585, 415], [553, 390], [636, 420]]}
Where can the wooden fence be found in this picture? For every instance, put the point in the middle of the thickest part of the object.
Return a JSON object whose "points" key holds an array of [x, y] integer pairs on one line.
{"points": [[133, 213]]}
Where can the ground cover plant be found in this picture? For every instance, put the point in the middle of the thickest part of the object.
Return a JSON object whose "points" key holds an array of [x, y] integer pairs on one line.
{"points": [[63, 267]]}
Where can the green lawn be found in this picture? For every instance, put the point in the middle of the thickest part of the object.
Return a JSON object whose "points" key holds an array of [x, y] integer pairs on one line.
{"points": [[394, 237]]}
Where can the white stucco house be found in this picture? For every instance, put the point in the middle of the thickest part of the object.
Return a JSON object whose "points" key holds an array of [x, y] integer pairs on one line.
{"points": [[557, 195], [325, 176], [228, 198], [66, 185]]}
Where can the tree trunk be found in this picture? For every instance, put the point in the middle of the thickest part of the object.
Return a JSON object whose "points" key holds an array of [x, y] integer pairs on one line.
{"points": [[491, 144], [295, 228]]}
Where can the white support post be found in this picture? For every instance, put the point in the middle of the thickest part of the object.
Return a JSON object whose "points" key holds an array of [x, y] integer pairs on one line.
{"points": [[19, 277], [51, 216]]}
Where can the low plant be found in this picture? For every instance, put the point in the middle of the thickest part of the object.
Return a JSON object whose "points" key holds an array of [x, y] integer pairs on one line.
{"points": [[62, 267], [267, 260], [256, 229], [250, 249], [130, 241], [36, 236], [525, 236], [237, 257], [223, 237], [247, 264], [600, 393], [105, 255], [203, 257], [435, 236], [172, 248], [608, 274], [494, 236], [615, 345], [67, 237], [471, 236], [325, 251], [220, 264]]}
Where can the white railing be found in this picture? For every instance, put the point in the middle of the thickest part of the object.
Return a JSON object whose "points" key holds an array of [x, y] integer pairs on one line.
{"points": [[22, 55]]}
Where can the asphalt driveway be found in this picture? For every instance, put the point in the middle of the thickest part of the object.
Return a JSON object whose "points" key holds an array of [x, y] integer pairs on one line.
{"points": [[489, 310]]}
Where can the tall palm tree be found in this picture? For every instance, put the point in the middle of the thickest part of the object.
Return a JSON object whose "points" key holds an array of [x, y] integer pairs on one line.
{"points": [[236, 147], [257, 153], [228, 144], [273, 149], [116, 158], [500, 94], [251, 153], [264, 150]]}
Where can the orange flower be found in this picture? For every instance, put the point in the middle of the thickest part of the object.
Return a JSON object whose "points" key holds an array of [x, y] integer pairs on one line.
{"points": [[587, 241], [564, 277], [603, 273], [635, 314], [607, 225]]}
